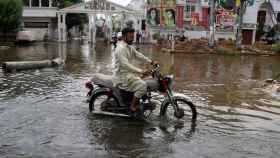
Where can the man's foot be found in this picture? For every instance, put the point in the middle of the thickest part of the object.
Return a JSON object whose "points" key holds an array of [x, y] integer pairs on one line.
{"points": [[137, 115], [133, 109]]}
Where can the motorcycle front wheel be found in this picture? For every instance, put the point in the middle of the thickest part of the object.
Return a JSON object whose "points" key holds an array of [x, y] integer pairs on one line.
{"points": [[182, 109], [103, 101]]}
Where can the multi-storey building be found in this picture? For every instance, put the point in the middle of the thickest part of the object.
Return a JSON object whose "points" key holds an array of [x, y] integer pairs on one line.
{"points": [[39, 17]]}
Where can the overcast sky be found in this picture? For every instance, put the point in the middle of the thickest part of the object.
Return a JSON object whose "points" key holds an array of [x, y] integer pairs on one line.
{"points": [[122, 2]]}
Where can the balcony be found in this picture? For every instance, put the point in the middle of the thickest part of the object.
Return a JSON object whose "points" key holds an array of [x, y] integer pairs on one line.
{"points": [[49, 12], [39, 8]]}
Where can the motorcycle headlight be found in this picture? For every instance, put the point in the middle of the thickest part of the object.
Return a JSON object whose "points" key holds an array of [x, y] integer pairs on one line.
{"points": [[170, 79]]}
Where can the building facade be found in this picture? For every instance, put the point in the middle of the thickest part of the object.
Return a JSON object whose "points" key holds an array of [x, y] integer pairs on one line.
{"points": [[262, 12], [39, 17], [196, 19]]}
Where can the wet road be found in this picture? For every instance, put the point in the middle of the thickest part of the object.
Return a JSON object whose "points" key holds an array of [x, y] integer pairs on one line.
{"points": [[42, 113]]}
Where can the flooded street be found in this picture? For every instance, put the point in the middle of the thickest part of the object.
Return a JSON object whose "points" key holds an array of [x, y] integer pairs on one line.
{"points": [[43, 113]]}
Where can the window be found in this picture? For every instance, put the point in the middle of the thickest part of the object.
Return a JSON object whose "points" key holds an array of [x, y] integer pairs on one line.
{"points": [[35, 3], [45, 3], [189, 10], [36, 24], [26, 3]]}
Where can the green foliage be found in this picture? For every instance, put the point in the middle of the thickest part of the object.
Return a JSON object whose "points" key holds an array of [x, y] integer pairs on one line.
{"points": [[276, 48], [10, 15]]}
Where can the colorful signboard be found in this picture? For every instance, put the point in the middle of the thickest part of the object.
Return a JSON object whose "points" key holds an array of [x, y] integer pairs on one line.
{"points": [[163, 13], [225, 20], [233, 4], [153, 17]]}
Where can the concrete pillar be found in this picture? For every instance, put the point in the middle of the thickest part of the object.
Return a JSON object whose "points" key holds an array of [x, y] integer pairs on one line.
{"points": [[30, 3], [92, 28], [40, 3], [123, 20], [109, 27], [50, 3], [62, 53], [254, 36], [59, 27], [62, 32], [135, 27]]}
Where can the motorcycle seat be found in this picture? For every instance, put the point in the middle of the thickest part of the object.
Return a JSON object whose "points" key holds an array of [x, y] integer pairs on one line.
{"points": [[107, 81], [103, 80]]}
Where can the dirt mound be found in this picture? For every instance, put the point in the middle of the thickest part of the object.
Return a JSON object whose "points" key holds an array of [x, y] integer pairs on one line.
{"points": [[193, 46]]}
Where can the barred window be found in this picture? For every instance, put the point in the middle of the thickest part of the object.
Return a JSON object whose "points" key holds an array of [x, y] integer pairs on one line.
{"points": [[45, 3], [35, 3]]}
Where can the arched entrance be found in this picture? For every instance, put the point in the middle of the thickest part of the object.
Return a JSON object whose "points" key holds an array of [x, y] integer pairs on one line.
{"points": [[94, 8]]}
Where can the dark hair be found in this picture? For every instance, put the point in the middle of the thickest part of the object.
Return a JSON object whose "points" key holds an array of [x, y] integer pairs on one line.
{"points": [[127, 30], [173, 14], [149, 15]]}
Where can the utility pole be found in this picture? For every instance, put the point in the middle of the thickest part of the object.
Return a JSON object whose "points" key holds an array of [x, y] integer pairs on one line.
{"points": [[238, 42], [212, 23]]}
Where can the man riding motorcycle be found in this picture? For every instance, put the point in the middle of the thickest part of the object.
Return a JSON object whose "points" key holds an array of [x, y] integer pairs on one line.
{"points": [[125, 74]]}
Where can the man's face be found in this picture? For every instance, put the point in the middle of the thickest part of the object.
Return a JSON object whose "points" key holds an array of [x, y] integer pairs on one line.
{"points": [[129, 38]]}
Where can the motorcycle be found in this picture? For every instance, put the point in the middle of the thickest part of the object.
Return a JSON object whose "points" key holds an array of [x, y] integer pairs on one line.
{"points": [[104, 98]]}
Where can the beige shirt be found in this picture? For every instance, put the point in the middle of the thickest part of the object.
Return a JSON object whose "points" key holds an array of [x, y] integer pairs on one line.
{"points": [[123, 69]]}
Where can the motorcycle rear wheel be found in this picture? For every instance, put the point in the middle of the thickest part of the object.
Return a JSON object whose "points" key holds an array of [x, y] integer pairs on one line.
{"points": [[102, 101]]}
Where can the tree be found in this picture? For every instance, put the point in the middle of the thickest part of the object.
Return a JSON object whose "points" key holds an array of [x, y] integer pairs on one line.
{"points": [[10, 15]]}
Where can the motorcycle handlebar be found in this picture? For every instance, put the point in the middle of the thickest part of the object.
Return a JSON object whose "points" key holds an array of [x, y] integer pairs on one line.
{"points": [[156, 65]]}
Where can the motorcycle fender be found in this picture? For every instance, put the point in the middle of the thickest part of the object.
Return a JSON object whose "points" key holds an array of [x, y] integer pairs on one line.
{"points": [[175, 96], [99, 90], [182, 96]]}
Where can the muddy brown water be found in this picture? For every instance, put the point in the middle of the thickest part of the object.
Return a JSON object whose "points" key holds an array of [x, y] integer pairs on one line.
{"points": [[42, 113]]}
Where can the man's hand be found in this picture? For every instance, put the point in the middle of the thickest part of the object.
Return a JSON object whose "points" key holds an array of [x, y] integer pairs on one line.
{"points": [[154, 63], [145, 73]]}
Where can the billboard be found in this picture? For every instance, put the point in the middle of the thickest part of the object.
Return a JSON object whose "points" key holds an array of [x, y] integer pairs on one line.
{"points": [[225, 20], [153, 16], [163, 13]]}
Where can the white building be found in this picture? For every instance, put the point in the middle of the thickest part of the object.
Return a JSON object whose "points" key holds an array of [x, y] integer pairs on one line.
{"points": [[39, 17], [265, 12]]}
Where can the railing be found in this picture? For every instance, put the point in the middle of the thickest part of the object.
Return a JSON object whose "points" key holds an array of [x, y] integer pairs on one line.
{"points": [[39, 12]]}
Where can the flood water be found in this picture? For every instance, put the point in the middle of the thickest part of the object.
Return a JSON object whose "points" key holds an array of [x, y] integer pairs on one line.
{"points": [[43, 113]]}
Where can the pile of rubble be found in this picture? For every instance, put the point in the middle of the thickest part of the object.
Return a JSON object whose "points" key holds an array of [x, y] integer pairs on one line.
{"points": [[190, 46], [222, 47]]}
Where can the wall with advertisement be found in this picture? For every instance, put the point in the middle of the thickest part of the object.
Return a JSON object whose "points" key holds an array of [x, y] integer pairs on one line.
{"points": [[196, 15], [225, 20], [165, 13]]}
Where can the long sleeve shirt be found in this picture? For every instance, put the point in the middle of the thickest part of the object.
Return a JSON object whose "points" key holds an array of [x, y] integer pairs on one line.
{"points": [[122, 66]]}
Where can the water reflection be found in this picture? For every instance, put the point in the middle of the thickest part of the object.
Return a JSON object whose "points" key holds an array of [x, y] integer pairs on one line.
{"points": [[129, 138]]}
